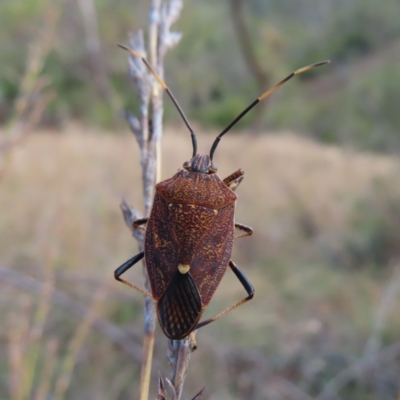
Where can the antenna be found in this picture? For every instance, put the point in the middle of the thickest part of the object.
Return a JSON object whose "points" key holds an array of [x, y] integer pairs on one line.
{"points": [[261, 98], [165, 87]]}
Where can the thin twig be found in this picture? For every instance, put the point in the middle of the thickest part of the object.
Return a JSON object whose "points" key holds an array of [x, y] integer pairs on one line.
{"points": [[121, 338]]}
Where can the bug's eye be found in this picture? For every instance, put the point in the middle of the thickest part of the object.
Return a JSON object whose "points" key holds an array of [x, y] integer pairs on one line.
{"points": [[212, 169], [186, 165]]}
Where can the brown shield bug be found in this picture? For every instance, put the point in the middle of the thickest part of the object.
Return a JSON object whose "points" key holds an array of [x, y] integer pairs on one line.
{"points": [[190, 233]]}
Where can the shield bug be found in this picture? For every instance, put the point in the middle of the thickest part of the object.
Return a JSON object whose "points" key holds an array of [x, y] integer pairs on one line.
{"points": [[190, 233]]}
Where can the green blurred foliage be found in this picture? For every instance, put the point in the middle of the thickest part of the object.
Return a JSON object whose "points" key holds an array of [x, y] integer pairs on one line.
{"points": [[352, 101]]}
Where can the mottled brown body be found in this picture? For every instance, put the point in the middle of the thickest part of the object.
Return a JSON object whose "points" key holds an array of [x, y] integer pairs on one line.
{"points": [[191, 224], [188, 245]]}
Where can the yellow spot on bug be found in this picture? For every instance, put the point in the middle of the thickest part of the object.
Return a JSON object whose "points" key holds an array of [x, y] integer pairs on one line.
{"points": [[216, 212], [184, 268], [170, 205]]}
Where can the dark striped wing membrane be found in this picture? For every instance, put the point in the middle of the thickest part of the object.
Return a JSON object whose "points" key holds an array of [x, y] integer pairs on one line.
{"points": [[179, 309]]}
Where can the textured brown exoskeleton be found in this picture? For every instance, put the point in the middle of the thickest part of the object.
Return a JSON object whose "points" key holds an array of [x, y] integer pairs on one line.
{"points": [[190, 232]]}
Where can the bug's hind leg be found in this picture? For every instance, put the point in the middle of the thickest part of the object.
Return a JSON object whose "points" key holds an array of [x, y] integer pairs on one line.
{"points": [[247, 230], [248, 287], [124, 267], [233, 180]]}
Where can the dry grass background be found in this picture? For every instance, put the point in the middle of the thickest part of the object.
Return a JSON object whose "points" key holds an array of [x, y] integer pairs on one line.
{"points": [[60, 224]]}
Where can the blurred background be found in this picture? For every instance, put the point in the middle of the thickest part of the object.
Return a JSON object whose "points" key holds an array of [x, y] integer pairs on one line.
{"points": [[321, 192]]}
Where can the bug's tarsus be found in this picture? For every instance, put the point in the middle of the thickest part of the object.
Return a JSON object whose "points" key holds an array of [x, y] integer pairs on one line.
{"points": [[261, 98], [170, 94], [124, 267], [247, 286]]}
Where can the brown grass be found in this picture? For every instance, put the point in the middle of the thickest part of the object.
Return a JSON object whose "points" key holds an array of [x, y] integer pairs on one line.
{"points": [[59, 205]]}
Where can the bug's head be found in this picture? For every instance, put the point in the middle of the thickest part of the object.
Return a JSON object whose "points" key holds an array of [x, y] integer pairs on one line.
{"points": [[200, 163]]}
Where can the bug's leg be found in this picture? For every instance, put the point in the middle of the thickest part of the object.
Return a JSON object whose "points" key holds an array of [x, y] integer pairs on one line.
{"points": [[248, 287], [124, 267], [139, 222], [247, 230], [233, 180]]}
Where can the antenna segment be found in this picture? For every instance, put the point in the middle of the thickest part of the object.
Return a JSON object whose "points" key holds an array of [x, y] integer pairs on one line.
{"points": [[261, 98]]}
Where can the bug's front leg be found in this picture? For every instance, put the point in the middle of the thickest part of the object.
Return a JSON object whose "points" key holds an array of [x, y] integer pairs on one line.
{"points": [[247, 230], [124, 267], [247, 286], [139, 222], [233, 180]]}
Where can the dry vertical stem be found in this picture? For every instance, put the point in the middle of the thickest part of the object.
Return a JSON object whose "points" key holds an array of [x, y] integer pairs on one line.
{"points": [[179, 352], [142, 83], [162, 16]]}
